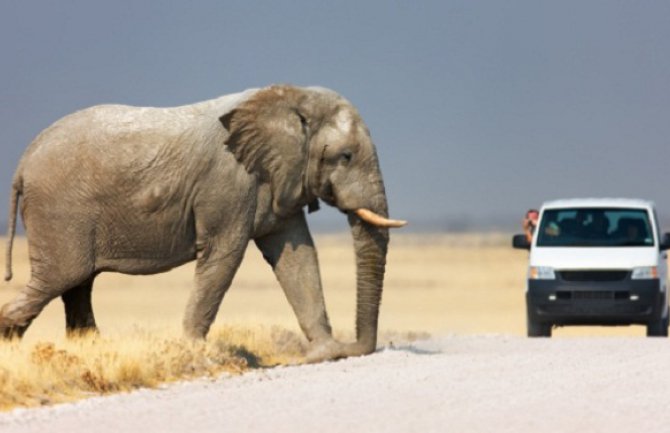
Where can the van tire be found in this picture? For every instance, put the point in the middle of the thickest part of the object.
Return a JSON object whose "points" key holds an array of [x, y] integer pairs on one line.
{"points": [[536, 329], [658, 328]]}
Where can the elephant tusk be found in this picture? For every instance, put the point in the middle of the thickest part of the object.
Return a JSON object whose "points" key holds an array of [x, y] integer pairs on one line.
{"points": [[377, 220]]}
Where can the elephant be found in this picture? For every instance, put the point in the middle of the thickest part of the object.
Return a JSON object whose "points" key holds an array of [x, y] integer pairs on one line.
{"points": [[141, 190]]}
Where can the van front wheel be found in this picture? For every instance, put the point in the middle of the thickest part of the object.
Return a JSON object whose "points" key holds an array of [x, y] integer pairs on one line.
{"points": [[658, 328], [536, 329]]}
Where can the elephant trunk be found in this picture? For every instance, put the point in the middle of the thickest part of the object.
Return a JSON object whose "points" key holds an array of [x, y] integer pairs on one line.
{"points": [[371, 245]]}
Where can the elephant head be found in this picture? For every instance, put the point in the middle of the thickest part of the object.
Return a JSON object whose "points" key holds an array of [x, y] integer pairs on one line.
{"points": [[310, 144]]}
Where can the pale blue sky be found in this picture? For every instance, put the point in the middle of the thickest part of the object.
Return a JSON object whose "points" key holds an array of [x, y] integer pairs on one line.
{"points": [[478, 108]]}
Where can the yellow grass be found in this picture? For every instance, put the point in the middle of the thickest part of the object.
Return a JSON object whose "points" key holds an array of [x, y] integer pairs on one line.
{"points": [[47, 372], [435, 285]]}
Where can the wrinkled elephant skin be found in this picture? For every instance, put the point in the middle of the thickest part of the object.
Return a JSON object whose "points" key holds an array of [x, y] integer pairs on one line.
{"points": [[142, 190]]}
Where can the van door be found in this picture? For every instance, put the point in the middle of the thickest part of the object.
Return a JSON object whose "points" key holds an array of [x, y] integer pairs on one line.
{"points": [[663, 257]]}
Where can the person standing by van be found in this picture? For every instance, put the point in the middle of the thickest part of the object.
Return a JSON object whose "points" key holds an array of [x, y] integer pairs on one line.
{"points": [[529, 223]]}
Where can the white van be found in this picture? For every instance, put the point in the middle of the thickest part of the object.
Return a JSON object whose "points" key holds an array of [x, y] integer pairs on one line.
{"points": [[597, 262]]}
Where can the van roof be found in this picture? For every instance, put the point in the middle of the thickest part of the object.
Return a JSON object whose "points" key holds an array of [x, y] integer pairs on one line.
{"points": [[598, 202]]}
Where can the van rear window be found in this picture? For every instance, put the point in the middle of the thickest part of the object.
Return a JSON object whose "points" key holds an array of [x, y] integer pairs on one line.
{"points": [[595, 227]]}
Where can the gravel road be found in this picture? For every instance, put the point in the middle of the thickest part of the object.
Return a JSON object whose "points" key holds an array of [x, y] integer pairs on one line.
{"points": [[459, 383]]}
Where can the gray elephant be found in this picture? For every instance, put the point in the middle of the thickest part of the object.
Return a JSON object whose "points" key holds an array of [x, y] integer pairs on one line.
{"points": [[142, 190]]}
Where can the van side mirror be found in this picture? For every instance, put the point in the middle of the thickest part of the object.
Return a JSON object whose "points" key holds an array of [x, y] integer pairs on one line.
{"points": [[665, 242], [520, 242]]}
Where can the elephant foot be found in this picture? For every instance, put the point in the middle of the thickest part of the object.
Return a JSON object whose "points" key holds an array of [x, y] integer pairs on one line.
{"points": [[328, 350], [11, 332], [360, 348], [82, 332], [10, 329], [195, 332], [331, 350]]}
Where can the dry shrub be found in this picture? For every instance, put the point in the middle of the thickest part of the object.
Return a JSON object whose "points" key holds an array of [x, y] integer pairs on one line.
{"points": [[45, 373]]}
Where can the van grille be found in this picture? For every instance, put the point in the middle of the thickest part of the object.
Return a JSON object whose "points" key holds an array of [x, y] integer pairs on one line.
{"points": [[595, 295], [611, 275]]}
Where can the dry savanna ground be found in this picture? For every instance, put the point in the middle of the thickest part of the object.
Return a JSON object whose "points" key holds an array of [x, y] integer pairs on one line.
{"points": [[441, 284]]}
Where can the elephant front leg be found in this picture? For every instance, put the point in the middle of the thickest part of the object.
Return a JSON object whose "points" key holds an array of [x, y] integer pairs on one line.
{"points": [[293, 258], [215, 270]]}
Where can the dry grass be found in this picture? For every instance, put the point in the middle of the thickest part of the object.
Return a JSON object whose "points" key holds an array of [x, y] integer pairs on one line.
{"points": [[435, 284], [47, 372]]}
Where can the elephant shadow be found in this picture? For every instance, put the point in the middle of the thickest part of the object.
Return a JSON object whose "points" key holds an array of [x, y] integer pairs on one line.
{"points": [[410, 348]]}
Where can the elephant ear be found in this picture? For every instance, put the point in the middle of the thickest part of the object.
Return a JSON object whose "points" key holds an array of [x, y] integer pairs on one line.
{"points": [[269, 135]]}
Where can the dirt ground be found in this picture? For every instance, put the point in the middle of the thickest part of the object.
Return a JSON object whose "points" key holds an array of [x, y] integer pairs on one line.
{"points": [[501, 384], [473, 370]]}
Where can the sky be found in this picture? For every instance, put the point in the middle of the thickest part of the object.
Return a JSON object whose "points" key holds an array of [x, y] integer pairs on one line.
{"points": [[479, 109]]}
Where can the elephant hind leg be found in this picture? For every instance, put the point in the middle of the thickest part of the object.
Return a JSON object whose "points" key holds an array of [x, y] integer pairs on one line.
{"points": [[58, 263], [16, 315], [79, 317]]}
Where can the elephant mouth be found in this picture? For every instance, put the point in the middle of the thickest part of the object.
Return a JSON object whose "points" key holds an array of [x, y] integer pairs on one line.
{"points": [[328, 195], [370, 217]]}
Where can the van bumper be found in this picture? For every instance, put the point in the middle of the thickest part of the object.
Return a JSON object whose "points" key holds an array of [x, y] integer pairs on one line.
{"points": [[623, 302]]}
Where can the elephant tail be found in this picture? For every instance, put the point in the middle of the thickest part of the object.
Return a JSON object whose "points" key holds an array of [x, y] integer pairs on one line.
{"points": [[11, 229]]}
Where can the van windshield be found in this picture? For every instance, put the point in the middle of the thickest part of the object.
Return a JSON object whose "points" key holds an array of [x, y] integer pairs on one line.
{"points": [[595, 227]]}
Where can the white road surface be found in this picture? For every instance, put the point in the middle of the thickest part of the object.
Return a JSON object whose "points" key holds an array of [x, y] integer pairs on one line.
{"points": [[452, 384]]}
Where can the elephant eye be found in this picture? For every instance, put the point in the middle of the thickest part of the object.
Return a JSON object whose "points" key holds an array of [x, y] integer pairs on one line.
{"points": [[346, 156]]}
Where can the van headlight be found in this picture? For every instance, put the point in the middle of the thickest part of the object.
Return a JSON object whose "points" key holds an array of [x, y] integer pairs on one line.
{"points": [[644, 273], [541, 273]]}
